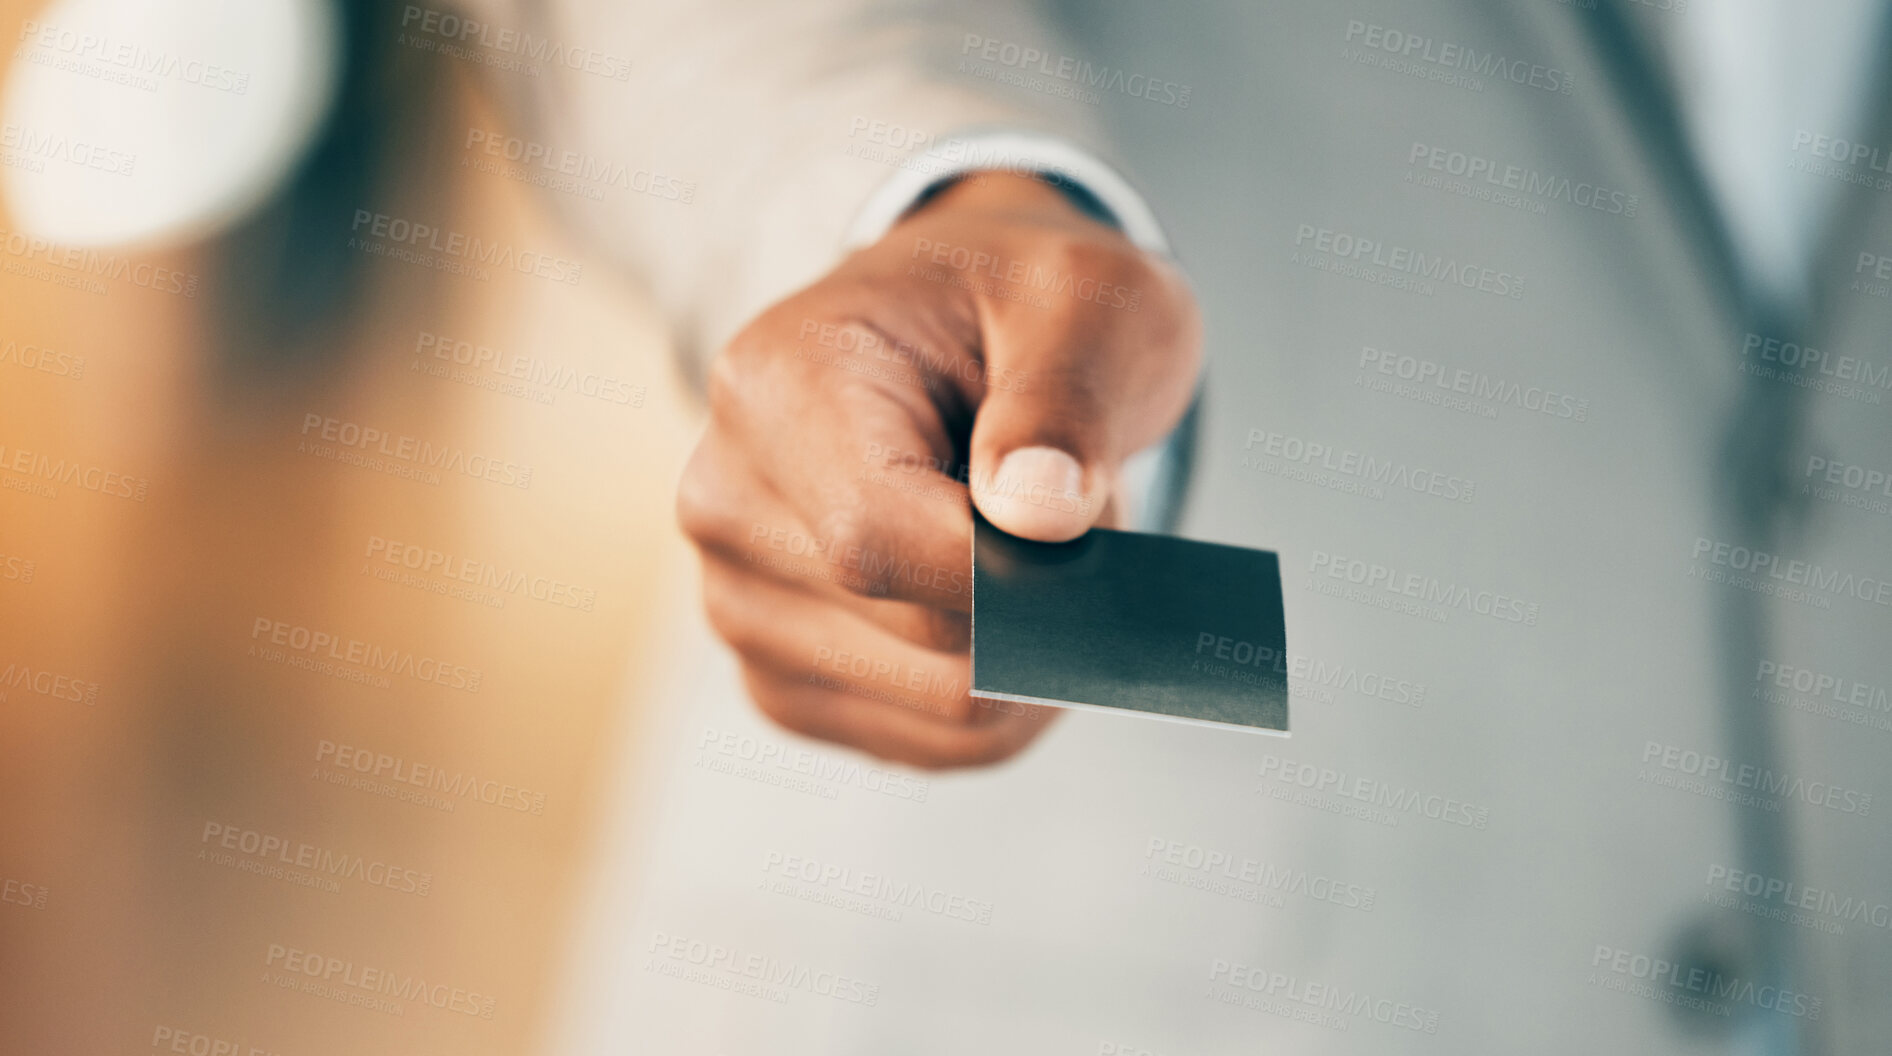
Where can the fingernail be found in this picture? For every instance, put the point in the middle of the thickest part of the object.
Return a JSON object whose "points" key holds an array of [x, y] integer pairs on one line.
{"points": [[1038, 492], [1040, 469]]}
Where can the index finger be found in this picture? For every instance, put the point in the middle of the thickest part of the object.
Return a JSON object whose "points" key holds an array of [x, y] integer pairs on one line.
{"points": [[867, 463]]}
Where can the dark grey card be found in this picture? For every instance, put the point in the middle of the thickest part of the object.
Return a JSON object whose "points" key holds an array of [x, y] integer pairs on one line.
{"points": [[1123, 621]]}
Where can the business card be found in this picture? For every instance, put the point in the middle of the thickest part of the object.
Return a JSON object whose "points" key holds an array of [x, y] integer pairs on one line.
{"points": [[1130, 623]]}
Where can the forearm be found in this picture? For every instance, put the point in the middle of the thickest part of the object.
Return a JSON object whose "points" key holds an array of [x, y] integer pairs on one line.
{"points": [[760, 111]]}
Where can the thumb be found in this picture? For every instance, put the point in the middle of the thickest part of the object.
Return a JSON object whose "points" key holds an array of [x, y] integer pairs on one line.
{"points": [[1043, 456], [1069, 396]]}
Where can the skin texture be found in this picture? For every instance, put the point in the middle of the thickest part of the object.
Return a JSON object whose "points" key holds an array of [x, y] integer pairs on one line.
{"points": [[854, 425]]}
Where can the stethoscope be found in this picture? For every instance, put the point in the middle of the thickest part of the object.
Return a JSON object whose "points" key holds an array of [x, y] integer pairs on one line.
{"points": [[1757, 506]]}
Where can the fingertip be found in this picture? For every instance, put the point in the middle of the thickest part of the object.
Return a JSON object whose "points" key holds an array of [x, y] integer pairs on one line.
{"points": [[1038, 493], [1034, 522]]}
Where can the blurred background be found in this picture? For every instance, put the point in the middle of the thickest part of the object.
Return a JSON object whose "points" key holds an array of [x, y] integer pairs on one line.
{"points": [[354, 691], [267, 690]]}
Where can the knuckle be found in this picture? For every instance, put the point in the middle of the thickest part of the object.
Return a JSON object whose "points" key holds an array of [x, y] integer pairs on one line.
{"points": [[980, 748], [779, 708], [739, 377], [728, 612], [1090, 257], [699, 499], [1094, 258], [943, 631], [1170, 293], [778, 704], [959, 709], [859, 545]]}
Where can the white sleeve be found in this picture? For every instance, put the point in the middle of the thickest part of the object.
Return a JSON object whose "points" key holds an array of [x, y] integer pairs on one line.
{"points": [[762, 110], [802, 130], [1026, 153]]}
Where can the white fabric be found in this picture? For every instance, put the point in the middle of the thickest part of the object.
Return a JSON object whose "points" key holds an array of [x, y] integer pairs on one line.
{"points": [[1751, 76], [1010, 151]]}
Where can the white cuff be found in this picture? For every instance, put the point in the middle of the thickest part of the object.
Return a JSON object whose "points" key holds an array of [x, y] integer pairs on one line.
{"points": [[1025, 153]]}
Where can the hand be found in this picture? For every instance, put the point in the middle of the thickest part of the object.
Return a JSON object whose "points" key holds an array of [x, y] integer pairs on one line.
{"points": [[998, 345]]}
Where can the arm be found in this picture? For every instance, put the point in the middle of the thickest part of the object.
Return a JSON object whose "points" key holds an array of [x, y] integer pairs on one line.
{"points": [[754, 107], [1008, 342]]}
